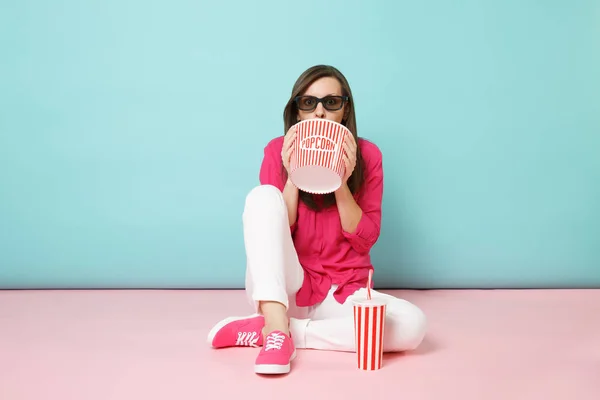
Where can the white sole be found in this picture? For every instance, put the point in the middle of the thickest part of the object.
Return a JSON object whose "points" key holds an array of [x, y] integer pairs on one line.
{"points": [[274, 369], [222, 323]]}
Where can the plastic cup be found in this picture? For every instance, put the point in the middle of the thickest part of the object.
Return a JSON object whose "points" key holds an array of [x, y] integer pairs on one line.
{"points": [[369, 326], [317, 163]]}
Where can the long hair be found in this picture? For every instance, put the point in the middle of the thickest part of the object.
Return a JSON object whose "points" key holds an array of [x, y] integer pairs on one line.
{"points": [[290, 118]]}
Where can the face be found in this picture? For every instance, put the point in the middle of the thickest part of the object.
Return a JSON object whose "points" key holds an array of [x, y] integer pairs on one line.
{"points": [[322, 88]]}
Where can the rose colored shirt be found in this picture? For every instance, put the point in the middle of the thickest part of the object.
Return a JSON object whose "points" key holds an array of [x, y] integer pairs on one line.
{"points": [[328, 254]]}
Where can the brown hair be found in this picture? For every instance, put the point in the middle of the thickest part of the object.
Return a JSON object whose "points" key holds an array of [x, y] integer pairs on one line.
{"points": [[290, 118]]}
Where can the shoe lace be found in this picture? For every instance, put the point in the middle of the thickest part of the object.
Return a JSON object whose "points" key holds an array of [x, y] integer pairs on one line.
{"points": [[274, 341], [247, 339]]}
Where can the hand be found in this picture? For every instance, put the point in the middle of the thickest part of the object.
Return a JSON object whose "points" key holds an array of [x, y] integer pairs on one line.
{"points": [[349, 156], [288, 148]]}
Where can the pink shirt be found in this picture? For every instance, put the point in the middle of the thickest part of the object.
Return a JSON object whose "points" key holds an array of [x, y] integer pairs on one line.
{"points": [[328, 254]]}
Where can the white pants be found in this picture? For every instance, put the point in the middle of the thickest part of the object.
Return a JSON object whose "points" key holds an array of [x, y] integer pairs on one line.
{"points": [[273, 273]]}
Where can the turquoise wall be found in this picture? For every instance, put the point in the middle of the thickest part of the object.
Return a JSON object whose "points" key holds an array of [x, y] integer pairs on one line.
{"points": [[131, 131]]}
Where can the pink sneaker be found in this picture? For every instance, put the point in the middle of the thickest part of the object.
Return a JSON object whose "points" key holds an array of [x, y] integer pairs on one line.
{"points": [[237, 331], [276, 355]]}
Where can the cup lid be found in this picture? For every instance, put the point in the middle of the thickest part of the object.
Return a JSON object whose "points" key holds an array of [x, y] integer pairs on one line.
{"points": [[364, 301]]}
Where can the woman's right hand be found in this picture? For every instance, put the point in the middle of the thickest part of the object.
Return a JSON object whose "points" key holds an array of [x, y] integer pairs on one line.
{"points": [[290, 191], [288, 148]]}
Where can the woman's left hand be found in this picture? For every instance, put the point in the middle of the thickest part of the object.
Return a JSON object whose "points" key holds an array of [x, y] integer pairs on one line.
{"points": [[349, 156]]}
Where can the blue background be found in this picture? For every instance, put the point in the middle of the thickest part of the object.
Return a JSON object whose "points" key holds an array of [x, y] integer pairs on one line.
{"points": [[131, 132]]}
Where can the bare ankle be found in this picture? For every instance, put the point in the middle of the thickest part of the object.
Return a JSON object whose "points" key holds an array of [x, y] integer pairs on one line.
{"points": [[275, 317]]}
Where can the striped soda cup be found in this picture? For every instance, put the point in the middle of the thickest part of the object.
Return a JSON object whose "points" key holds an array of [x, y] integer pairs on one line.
{"points": [[369, 326], [317, 163]]}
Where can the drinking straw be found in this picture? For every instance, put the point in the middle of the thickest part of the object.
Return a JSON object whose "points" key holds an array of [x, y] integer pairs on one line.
{"points": [[369, 284]]}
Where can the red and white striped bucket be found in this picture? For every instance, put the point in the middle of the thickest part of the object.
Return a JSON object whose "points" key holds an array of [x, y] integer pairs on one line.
{"points": [[369, 326], [317, 163]]}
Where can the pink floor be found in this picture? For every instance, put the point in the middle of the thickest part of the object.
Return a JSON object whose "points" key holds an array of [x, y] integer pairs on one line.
{"points": [[484, 345]]}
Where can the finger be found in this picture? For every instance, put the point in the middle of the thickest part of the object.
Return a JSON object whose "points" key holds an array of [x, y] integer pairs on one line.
{"points": [[351, 139], [348, 143], [290, 133], [351, 162], [348, 166], [288, 155], [350, 151], [287, 145], [353, 144], [292, 139], [289, 140], [347, 162], [353, 154]]}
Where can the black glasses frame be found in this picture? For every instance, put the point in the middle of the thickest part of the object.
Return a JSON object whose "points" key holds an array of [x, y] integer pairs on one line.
{"points": [[321, 100]]}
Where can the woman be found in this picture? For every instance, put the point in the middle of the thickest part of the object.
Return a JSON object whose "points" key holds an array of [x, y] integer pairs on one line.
{"points": [[306, 254]]}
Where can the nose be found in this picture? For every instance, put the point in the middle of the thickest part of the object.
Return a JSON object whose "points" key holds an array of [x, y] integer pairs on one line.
{"points": [[320, 111]]}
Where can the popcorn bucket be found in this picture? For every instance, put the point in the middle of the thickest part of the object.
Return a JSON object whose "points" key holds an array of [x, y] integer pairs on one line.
{"points": [[317, 163]]}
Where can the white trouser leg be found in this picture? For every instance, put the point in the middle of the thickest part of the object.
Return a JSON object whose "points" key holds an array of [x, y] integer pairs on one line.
{"points": [[273, 271], [331, 325]]}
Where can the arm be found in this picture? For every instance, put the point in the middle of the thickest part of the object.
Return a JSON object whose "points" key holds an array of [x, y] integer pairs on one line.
{"points": [[349, 210], [361, 220], [270, 174]]}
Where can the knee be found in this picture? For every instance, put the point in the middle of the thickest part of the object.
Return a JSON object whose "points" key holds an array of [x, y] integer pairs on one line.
{"points": [[264, 197], [408, 328], [416, 329]]}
